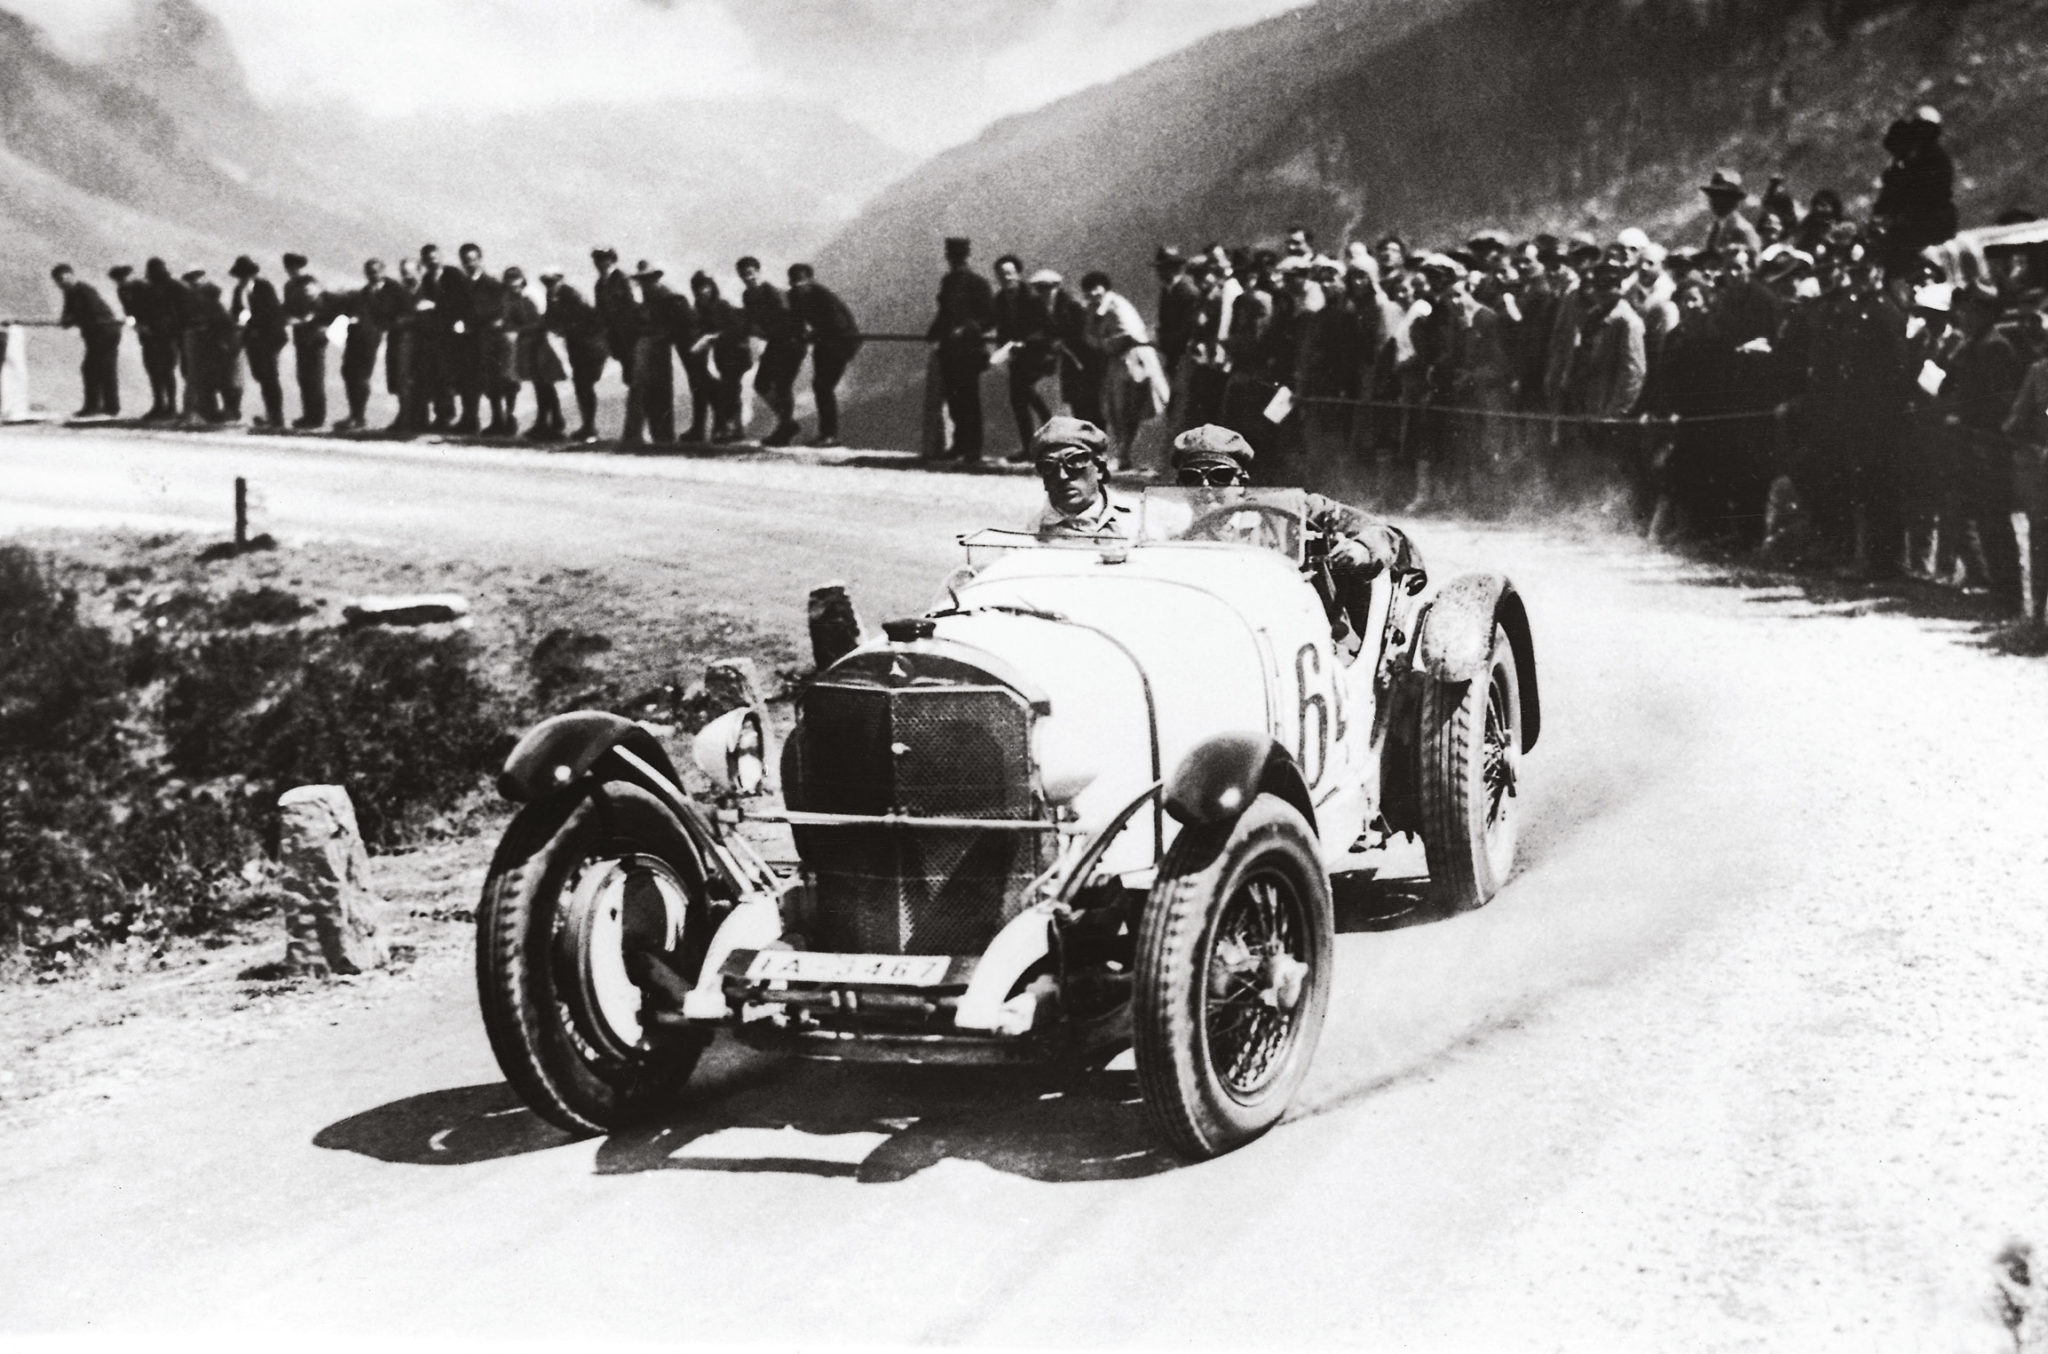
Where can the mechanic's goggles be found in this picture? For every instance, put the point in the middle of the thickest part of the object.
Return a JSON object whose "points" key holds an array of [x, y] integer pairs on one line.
{"points": [[1211, 476], [1064, 465]]}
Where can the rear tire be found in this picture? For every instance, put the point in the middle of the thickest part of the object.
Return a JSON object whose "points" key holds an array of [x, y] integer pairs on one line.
{"points": [[585, 894], [1471, 749], [1233, 978]]}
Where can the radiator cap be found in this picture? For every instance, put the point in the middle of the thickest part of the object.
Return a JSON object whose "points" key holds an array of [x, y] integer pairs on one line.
{"points": [[909, 629]]}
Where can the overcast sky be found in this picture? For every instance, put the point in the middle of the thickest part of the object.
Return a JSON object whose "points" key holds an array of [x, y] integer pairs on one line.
{"points": [[922, 74]]}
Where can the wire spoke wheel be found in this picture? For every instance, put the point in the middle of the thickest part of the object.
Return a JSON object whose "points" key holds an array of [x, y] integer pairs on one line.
{"points": [[1471, 747], [1233, 978], [1257, 960]]}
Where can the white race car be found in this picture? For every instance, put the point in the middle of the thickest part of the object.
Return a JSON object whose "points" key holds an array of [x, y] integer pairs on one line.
{"points": [[1092, 800]]}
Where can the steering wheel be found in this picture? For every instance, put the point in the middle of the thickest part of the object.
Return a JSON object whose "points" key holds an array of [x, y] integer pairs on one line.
{"points": [[1208, 526]]}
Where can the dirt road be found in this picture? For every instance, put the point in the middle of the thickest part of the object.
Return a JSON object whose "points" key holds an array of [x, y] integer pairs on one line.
{"points": [[1746, 1056]]}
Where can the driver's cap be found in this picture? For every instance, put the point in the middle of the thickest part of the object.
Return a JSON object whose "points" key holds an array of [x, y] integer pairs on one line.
{"points": [[1061, 433], [1211, 444]]}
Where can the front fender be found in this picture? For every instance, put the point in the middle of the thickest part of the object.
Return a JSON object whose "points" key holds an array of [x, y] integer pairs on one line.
{"points": [[1457, 639], [560, 751], [1217, 781]]}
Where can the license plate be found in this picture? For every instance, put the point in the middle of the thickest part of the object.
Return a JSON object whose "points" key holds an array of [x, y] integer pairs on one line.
{"points": [[894, 970]]}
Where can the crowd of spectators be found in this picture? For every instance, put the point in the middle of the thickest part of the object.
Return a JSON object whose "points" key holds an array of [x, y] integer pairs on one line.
{"points": [[458, 344], [1790, 379]]}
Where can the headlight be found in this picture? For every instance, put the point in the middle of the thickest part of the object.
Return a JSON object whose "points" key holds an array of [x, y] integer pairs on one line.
{"points": [[733, 751]]}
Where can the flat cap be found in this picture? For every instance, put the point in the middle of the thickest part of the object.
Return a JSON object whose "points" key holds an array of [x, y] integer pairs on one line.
{"points": [[605, 252], [1061, 433], [1045, 277], [646, 269], [1211, 444], [295, 260]]}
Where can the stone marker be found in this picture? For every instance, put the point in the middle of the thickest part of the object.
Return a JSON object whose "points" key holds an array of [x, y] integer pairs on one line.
{"points": [[422, 609], [331, 917], [835, 625]]}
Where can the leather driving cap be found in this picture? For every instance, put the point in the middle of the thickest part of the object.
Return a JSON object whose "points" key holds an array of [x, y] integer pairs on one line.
{"points": [[1061, 433], [1211, 444]]}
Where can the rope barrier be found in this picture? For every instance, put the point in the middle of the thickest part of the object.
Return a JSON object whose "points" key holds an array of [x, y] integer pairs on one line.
{"points": [[1527, 416]]}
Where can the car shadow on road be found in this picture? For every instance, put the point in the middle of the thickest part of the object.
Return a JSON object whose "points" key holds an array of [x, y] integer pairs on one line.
{"points": [[749, 1112], [456, 1127], [1364, 903], [878, 1124]]}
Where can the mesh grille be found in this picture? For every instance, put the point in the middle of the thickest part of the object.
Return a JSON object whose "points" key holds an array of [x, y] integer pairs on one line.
{"points": [[957, 751]]}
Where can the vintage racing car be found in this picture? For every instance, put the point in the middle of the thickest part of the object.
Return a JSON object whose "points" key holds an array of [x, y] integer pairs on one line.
{"points": [[1091, 800]]}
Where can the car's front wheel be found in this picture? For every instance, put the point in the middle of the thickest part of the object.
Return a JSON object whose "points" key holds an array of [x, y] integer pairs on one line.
{"points": [[590, 920], [1233, 978]]}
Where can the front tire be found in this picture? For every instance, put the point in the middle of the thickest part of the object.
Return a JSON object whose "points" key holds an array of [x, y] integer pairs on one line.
{"points": [[1471, 751], [591, 900], [1233, 978]]}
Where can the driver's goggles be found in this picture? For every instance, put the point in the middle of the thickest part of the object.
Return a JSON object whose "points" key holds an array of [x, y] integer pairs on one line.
{"points": [[1211, 477], [1065, 467]]}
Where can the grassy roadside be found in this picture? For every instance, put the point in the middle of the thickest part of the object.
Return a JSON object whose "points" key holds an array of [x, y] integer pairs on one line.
{"points": [[153, 703]]}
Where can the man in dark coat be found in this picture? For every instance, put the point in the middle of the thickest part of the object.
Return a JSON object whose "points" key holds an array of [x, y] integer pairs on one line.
{"points": [[1020, 321], [768, 319], [307, 308], [88, 312], [372, 311], [959, 330], [668, 318], [432, 388], [159, 303], [835, 340], [722, 336], [1725, 194], [202, 317], [582, 332], [1984, 377], [619, 309], [533, 358], [473, 302], [401, 348], [1916, 205], [1180, 310], [264, 332]]}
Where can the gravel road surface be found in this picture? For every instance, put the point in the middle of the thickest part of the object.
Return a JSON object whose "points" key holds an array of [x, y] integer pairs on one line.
{"points": [[1746, 1056]]}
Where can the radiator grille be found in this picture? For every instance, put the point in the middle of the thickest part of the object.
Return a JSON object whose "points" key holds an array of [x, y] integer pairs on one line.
{"points": [[951, 750]]}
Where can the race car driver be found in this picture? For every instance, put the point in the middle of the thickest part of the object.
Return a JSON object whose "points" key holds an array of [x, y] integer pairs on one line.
{"points": [[1212, 456], [1072, 456]]}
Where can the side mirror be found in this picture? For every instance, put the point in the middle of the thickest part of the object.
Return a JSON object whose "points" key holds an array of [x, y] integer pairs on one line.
{"points": [[733, 751]]}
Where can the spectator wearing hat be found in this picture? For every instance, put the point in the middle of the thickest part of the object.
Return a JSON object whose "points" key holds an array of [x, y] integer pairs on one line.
{"points": [[1461, 365], [722, 338], [1823, 212], [1134, 385], [203, 318], [2026, 427], [1072, 457], [258, 314], [1915, 204], [1602, 368], [1985, 373], [669, 319], [618, 309], [835, 340], [373, 310], [1023, 329], [1725, 194], [1207, 358], [308, 311], [481, 348], [88, 312], [156, 303], [533, 358], [433, 390], [959, 333], [782, 353], [1865, 376], [1180, 309], [581, 330]]}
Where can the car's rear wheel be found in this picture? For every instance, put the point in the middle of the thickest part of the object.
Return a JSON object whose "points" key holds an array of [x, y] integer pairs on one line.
{"points": [[591, 917], [1233, 978], [1471, 751]]}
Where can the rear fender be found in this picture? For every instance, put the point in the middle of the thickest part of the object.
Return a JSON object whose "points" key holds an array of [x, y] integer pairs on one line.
{"points": [[1457, 640], [1217, 781]]}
